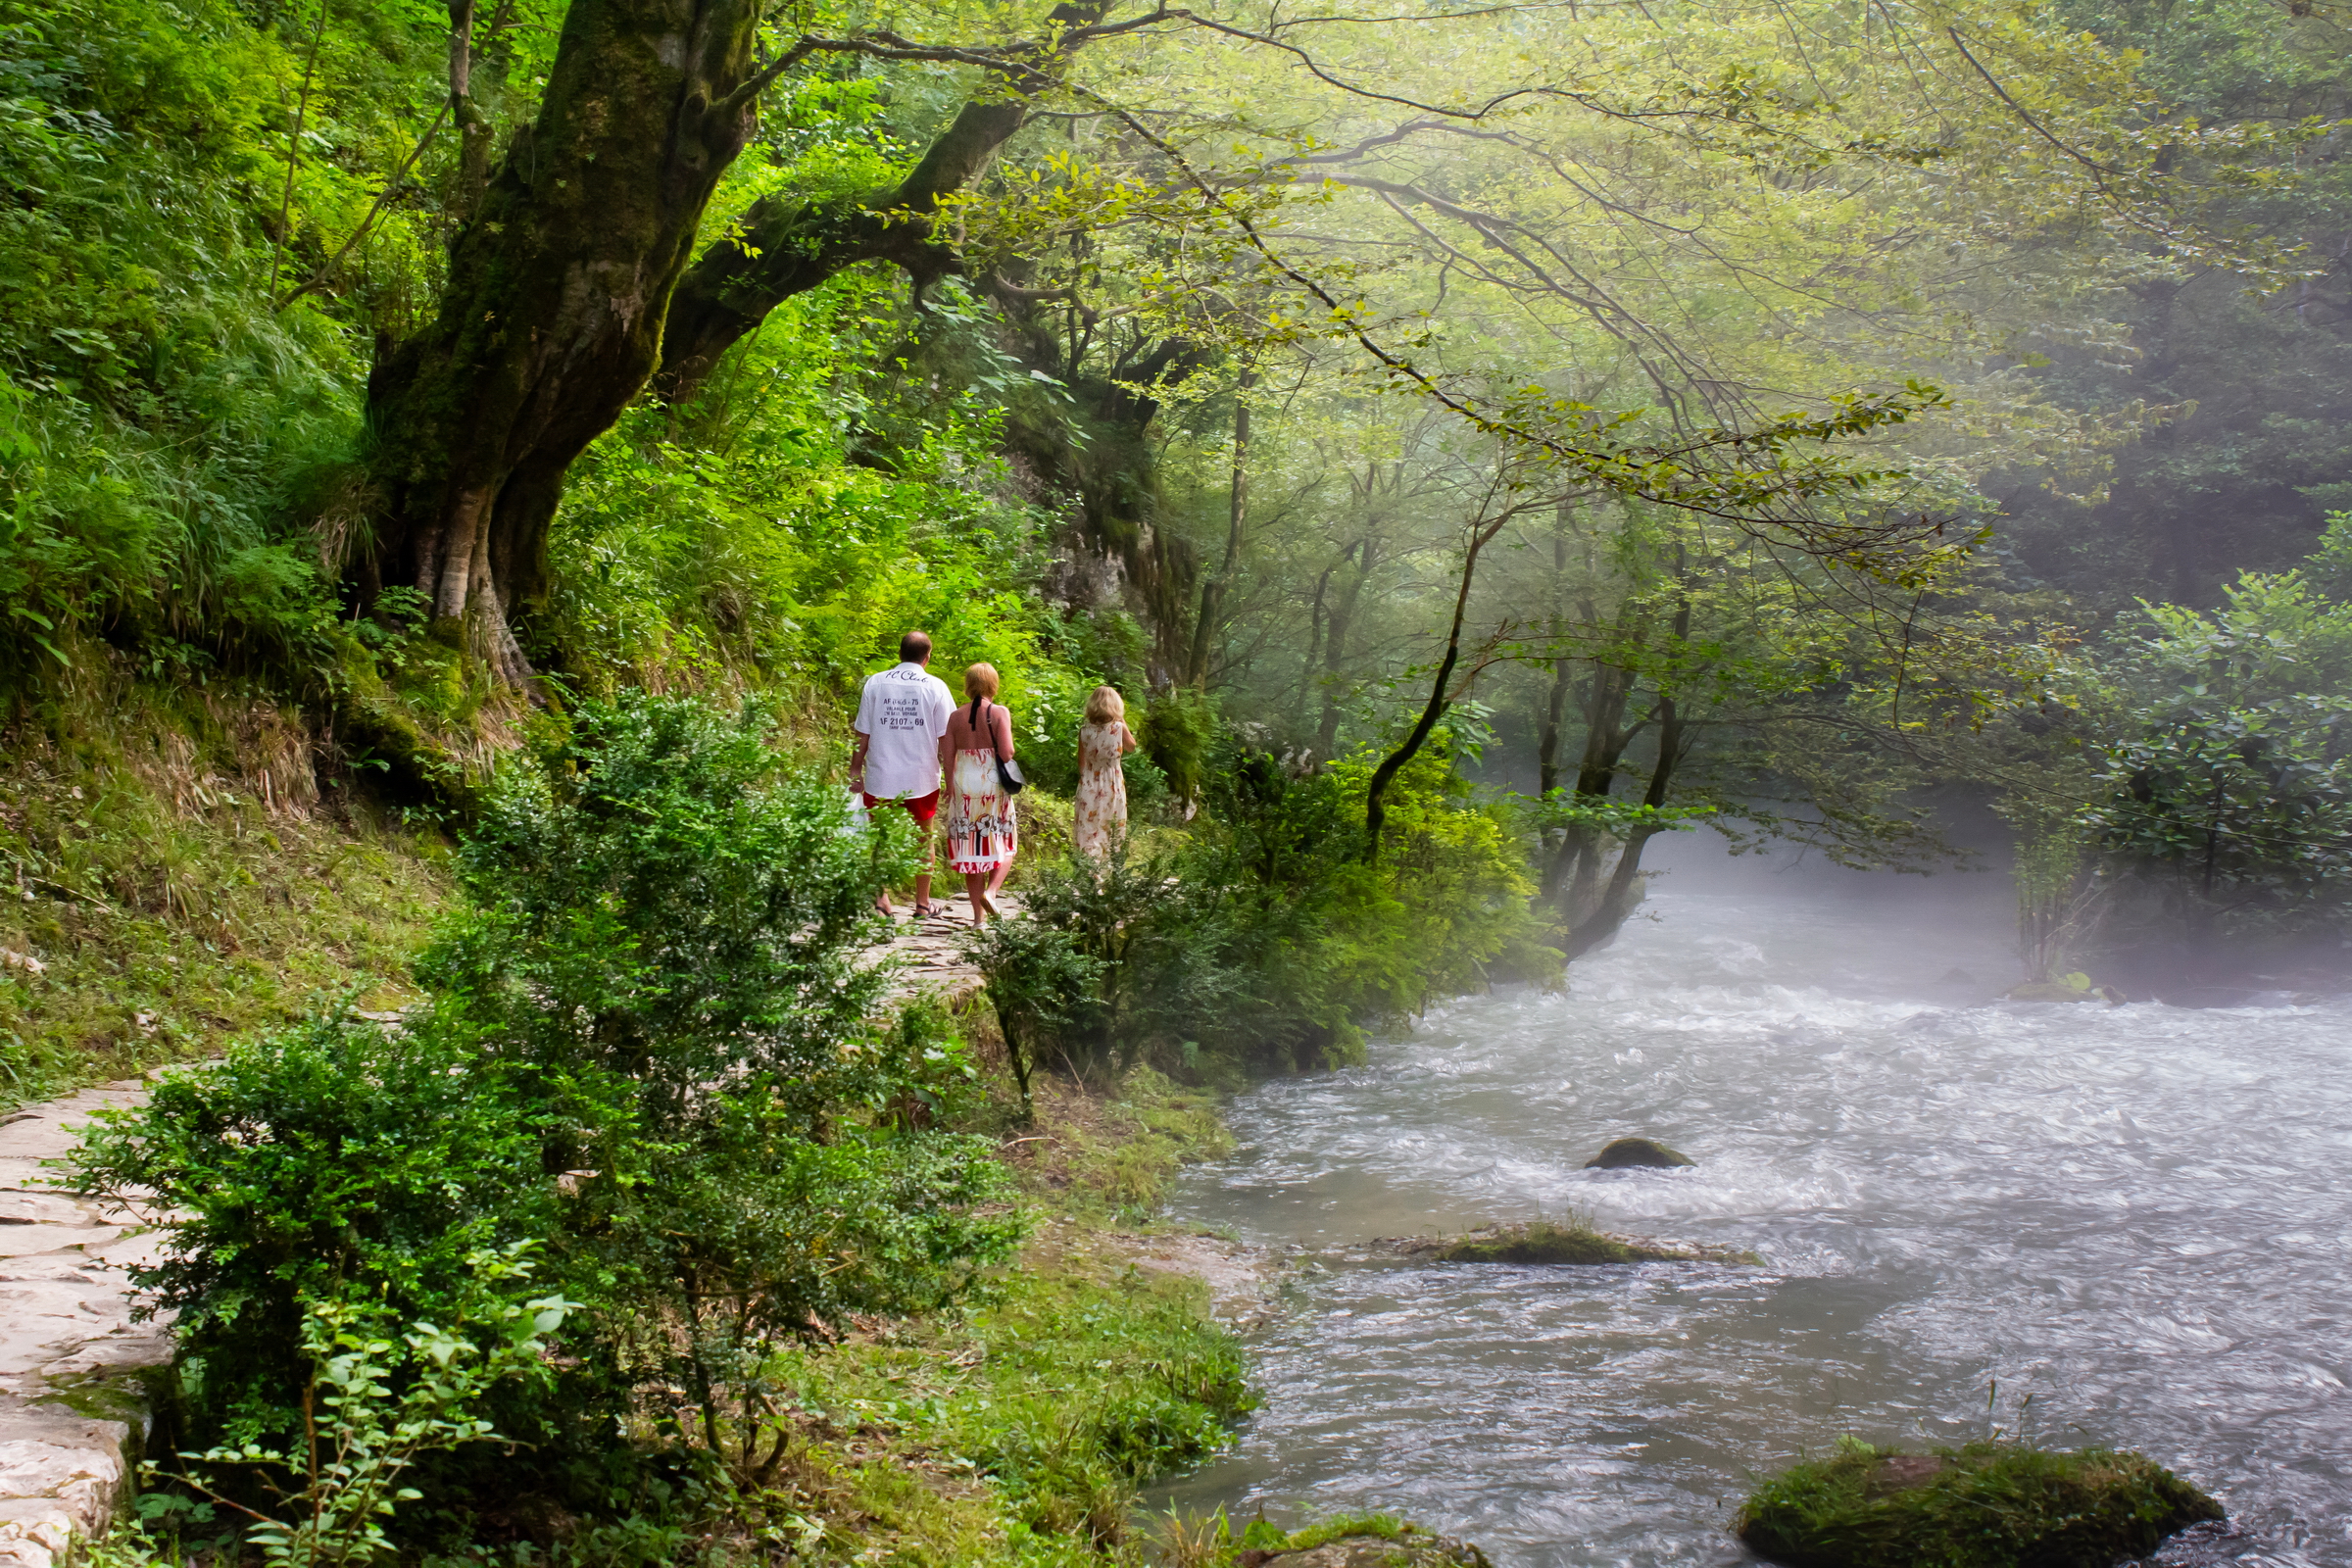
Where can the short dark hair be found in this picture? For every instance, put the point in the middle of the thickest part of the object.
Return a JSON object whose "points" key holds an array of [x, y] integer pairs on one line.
{"points": [[914, 648]]}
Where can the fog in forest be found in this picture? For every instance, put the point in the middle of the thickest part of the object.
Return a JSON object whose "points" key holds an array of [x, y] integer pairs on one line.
{"points": [[1078, 782]]}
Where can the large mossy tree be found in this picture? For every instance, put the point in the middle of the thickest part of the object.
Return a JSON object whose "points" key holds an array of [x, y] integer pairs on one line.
{"points": [[562, 283]]}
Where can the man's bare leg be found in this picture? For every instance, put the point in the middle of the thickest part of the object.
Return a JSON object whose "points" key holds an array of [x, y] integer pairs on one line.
{"points": [[922, 879]]}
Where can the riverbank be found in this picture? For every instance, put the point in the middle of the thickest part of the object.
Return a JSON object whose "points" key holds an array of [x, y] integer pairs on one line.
{"points": [[1021, 1429]]}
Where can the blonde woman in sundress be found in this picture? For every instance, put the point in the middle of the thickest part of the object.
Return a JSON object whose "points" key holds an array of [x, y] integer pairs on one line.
{"points": [[1099, 819], [981, 837]]}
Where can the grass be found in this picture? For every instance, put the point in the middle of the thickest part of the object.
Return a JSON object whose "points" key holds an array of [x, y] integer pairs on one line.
{"points": [[173, 874], [1990, 1504], [1019, 1430], [1569, 1240]]}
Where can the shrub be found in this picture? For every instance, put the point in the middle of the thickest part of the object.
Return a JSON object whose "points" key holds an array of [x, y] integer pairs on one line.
{"points": [[660, 905], [334, 1162], [1266, 940]]}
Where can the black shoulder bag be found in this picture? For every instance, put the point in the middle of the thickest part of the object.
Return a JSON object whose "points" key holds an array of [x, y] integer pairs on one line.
{"points": [[1009, 771]]}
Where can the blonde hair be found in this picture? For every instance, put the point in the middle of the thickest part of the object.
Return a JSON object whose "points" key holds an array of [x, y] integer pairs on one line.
{"points": [[980, 681], [1104, 706]]}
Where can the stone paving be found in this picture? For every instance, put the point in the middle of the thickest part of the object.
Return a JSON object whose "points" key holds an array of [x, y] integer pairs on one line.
{"points": [[74, 1407]]}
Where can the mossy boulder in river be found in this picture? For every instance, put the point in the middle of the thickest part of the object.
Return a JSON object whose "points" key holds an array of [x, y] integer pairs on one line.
{"points": [[1635, 1153], [1986, 1505], [1573, 1241], [1374, 1541]]}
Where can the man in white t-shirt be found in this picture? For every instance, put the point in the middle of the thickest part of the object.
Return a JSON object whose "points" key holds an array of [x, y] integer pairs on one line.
{"points": [[901, 716]]}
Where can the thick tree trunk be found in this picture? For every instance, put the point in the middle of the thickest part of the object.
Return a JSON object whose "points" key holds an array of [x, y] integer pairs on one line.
{"points": [[553, 315]]}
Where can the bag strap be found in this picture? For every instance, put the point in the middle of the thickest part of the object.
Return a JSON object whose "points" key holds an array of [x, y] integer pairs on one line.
{"points": [[991, 733]]}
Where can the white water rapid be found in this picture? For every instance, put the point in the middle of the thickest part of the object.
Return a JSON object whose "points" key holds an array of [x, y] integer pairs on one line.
{"points": [[2138, 1216]]}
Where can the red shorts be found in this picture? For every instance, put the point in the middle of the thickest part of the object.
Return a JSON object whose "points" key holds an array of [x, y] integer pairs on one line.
{"points": [[922, 807]]}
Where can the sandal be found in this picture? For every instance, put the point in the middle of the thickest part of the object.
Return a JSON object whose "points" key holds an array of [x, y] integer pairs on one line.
{"points": [[925, 910]]}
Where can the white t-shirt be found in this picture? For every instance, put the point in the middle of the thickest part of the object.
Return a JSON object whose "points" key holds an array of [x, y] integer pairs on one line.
{"points": [[902, 713]]}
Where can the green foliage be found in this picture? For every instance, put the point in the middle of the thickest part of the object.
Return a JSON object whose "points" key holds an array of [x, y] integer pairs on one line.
{"points": [[1039, 986], [653, 1040], [334, 1162], [176, 874], [2234, 776], [1984, 1506], [1069, 1389], [657, 905], [163, 431], [1265, 940], [1179, 733], [775, 538], [376, 1405]]}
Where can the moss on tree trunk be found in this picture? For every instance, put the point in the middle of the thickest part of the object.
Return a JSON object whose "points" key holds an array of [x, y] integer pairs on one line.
{"points": [[551, 319]]}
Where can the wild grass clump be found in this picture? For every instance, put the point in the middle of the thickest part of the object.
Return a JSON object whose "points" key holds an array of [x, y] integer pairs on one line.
{"points": [[1990, 1505], [177, 867]]}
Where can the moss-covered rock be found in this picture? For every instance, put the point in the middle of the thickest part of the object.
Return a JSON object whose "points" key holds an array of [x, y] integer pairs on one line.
{"points": [[1372, 1541], [1573, 1241], [1635, 1153], [1986, 1505]]}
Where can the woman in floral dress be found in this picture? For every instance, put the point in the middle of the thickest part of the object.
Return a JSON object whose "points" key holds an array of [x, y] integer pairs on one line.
{"points": [[981, 838], [1100, 819]]}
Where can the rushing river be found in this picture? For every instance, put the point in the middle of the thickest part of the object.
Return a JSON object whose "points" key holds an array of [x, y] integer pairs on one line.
{"points": [[2138, 1216]]}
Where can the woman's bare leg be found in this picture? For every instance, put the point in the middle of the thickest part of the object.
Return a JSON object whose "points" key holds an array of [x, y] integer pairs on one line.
{"points": [[976, 888]]}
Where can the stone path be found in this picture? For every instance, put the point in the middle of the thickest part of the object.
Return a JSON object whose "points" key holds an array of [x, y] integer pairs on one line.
{"points": [[74, 1406], [929, 948]]}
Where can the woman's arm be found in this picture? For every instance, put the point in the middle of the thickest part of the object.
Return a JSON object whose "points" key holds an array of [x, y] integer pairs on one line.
{"points": [[947, 750], [1000, 720], [1127, 740]]}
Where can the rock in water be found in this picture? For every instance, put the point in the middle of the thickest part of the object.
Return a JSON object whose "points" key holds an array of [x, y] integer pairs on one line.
{"points": [[1395, 1547], [1986, 1505], [1628, 1154], [2049, 991], [1544, 1240]]}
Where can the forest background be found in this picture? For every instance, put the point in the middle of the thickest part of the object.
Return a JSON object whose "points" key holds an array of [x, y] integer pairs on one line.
{"points": [[1477, 440]]}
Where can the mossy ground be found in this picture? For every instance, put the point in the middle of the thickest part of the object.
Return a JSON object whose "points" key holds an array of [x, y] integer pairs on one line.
{"points": [[173, 872], [1984, 1506]]}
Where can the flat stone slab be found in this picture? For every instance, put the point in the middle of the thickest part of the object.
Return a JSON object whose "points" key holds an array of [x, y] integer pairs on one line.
{"points": [[65, 1319]]}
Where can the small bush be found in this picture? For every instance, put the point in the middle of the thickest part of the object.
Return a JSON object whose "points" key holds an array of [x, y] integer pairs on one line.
{"points": [[1984, 1506], [330, 1162]]}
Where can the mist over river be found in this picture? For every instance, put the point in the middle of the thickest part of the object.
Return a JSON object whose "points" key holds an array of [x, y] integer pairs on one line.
{"points": [[2138, 1216]]}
